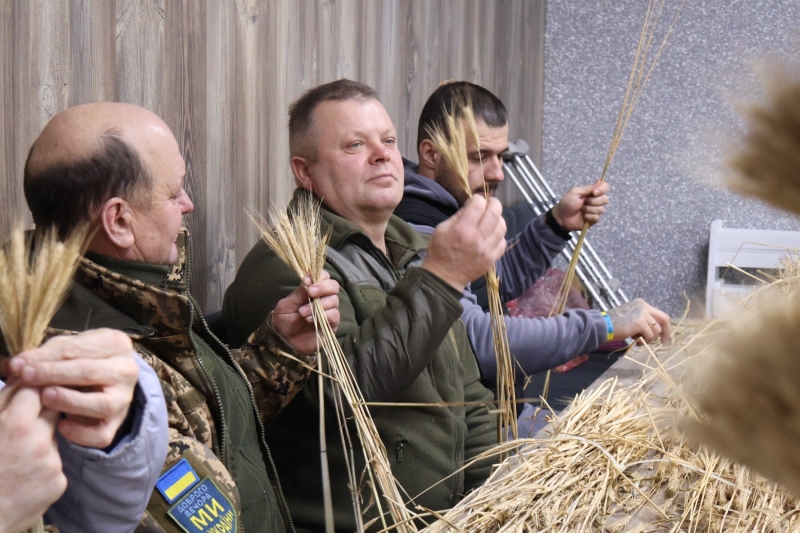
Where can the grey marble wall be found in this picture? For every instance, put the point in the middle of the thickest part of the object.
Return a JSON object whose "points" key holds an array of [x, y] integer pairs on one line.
{"points": [[664, 192]]}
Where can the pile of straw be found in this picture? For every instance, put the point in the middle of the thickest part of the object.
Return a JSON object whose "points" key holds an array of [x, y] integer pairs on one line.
{"points": [[296, 238], [615, 461], [33, 281], [450, 140]]}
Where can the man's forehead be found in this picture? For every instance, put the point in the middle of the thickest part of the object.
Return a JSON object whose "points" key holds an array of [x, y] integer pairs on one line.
{"points": [[349, 114], [495, 137]]}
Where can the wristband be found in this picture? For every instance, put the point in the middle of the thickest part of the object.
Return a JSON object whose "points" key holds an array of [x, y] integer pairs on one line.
{"points": [[557, 228], [609, 326]]}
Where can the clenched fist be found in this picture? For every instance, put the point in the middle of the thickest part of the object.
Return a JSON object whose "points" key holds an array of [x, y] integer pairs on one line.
{"points": [[465, 246]]}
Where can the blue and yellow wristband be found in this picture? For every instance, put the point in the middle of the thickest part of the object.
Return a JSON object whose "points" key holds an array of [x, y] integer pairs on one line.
{"points": [[609, 326]]}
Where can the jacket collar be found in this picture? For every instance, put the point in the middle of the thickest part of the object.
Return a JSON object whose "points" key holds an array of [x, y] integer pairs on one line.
{"points": [[155, 297], [403, 241]]}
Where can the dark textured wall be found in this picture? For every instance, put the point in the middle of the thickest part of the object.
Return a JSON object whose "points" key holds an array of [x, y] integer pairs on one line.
{"points": [[655, 235], [223, 72]]}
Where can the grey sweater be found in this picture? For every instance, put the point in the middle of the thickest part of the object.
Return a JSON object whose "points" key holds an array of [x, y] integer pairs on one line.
{"points": [[537, 343]]}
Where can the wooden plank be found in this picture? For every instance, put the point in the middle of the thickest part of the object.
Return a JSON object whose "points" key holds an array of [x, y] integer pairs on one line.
{"points": [[141, 53], [250, 158], [92, 59], [41, 84], [215, 200], [184, 96], [11, 185]]}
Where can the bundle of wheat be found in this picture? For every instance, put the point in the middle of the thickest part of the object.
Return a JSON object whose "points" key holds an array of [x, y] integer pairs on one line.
{"points": [[615, 462], [297, 239], [34, 276], [450, 140], [766, 163]]}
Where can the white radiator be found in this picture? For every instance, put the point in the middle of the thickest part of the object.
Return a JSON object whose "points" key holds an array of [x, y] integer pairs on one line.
{"points": [[747, 249]]}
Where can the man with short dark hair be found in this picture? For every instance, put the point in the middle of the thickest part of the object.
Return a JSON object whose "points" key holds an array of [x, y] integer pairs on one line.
{"points": [[432, 194], [118, 167], [399, 315]]}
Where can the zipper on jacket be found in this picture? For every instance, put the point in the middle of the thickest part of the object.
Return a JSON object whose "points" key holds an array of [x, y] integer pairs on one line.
{"points": [[241, 373], [399, 452], [210, 379]]}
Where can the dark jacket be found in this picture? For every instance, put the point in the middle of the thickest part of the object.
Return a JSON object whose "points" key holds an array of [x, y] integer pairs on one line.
{"points": [[217, 399], [401, 333], [538, 344]]}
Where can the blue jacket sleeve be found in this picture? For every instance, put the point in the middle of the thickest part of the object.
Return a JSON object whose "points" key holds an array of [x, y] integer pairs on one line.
{"points": [[527, 258], [538, 344], [107, 492]]}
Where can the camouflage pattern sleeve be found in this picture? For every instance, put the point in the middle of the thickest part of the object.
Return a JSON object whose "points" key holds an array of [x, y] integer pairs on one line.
{"points": [[204, 465], [276, 371], [193, 438]]}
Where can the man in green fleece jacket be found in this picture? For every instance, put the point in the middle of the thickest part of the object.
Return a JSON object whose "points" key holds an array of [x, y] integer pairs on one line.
{"points": [[399, 308]]}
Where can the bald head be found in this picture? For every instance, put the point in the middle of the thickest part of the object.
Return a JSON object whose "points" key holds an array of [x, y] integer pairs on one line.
{"points": [[88, 154]]}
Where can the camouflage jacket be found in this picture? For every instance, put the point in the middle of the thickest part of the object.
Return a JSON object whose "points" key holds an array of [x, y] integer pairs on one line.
{"points": [[168, 329]]}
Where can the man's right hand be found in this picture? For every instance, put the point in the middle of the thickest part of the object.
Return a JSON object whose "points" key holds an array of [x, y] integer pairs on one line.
{"points": [[468, 244], [30, 466], [638, 319]]}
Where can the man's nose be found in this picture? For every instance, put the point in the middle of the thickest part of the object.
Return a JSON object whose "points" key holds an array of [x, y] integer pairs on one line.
{"points": [[187, 206], [493, 170], [379, 154]]}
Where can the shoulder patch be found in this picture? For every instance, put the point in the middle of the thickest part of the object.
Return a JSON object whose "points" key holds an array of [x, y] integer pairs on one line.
{"points": [[204, 509], [177, 480]]}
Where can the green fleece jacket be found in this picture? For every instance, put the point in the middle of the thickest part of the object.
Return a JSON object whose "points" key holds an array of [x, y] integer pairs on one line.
{"points": [[401, 332]]}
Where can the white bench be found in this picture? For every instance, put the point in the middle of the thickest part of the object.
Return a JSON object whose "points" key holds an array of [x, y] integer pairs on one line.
{"points": [[746, 249]]}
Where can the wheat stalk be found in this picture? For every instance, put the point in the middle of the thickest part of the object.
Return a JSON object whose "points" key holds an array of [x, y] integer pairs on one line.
{"points": [[450, 139], [640, 73], [34, 277], [296, 238]]}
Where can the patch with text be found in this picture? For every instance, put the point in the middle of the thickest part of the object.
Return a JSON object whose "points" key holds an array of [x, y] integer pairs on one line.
{"points": [[204, 509]]}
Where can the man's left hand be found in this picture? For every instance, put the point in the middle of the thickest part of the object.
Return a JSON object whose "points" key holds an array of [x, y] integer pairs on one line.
{"points": [[581, 205], [293, 318], [89, 377]]}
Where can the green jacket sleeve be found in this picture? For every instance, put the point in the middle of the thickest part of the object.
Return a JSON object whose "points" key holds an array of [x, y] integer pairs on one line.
{"points": [[275, 370], [387, 337]]}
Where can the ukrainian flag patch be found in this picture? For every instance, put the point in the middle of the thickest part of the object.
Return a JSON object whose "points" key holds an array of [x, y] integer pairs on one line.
{"points": [[176, 481], [204, 509]]}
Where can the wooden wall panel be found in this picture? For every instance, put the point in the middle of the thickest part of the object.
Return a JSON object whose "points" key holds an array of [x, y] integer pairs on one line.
{"points": [[222, 74]]}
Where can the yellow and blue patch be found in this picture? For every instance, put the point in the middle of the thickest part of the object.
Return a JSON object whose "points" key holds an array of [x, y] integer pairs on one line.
{"points": [[204, 509], [177, 480]]}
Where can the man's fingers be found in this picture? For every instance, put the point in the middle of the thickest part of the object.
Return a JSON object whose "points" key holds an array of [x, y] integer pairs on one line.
{"points": [[333, 317], [663, 320], [492, 218], [95, 405], [92, 344], [599, 189], [88, 433], [324, 288], [472, 212], [81, 372], [23, 402]]}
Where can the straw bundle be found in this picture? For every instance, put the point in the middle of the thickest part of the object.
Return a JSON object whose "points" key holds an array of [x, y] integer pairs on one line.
{"points": [[615, 462], [747, 385], [451, 142], [33, 281], [766, 164], [295, 237]]}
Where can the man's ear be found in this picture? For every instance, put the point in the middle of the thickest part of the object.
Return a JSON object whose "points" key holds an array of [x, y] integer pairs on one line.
{"points": [[302, 172], [428, 158], [116, 218]]}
